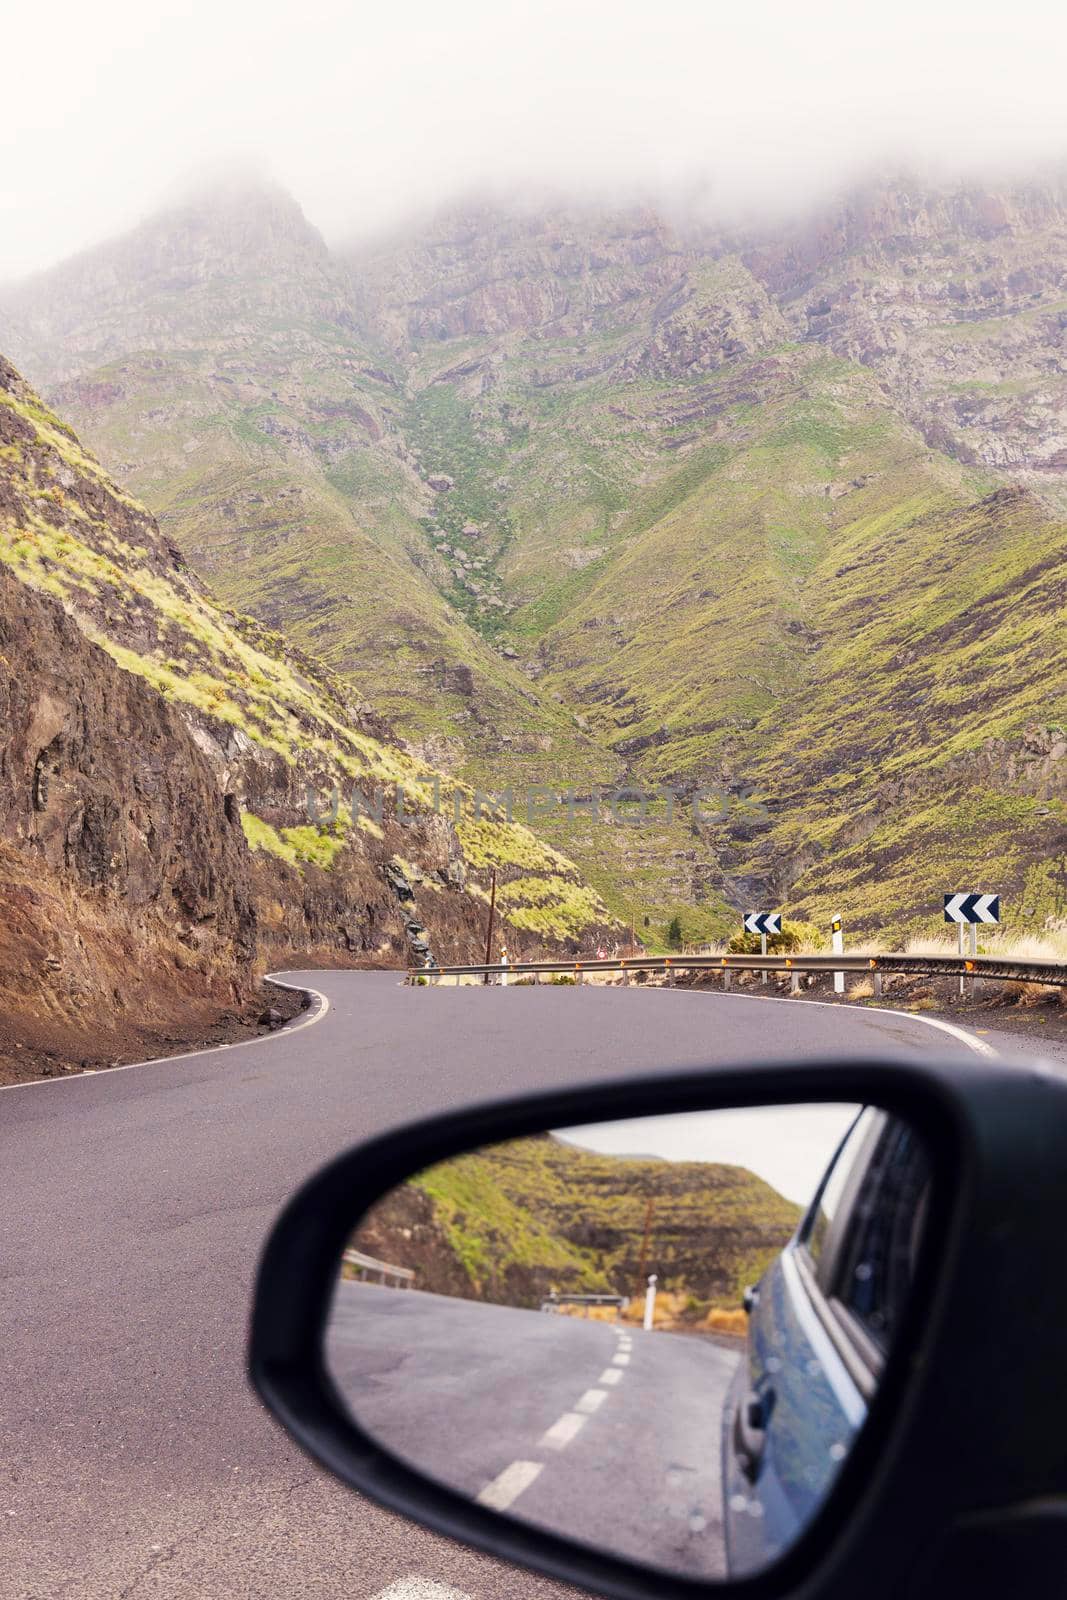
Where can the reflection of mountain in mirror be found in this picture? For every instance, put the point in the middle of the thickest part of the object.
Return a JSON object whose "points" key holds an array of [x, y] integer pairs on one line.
{"points": [[595, 1297]]}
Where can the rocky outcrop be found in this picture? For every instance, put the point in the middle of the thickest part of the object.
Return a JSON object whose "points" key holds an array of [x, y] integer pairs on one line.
{"points": [[954, 295], [125, 881]]}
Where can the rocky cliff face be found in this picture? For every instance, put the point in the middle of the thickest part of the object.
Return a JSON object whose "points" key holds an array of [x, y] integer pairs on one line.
{"points": [[125, 882], [159, 286], [957, 298]]}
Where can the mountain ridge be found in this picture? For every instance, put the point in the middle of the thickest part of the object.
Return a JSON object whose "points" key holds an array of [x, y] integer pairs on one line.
{"points": [[466, 483]]}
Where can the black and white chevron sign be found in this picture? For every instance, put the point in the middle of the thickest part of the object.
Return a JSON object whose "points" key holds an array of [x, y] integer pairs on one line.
{"points": [[972, 908], [763, 922]]}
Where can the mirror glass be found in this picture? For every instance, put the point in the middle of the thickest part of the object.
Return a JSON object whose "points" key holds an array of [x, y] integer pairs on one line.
{"points": [[659, 1337]]}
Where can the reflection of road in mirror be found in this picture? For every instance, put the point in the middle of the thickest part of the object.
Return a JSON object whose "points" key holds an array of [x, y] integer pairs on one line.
{"points": [[553, 1325], [606, 1433]]}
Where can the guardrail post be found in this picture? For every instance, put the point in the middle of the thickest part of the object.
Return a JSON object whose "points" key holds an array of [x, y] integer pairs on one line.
{"points": [[727, 977], [670, 975], [877, 980], [578, 969], [794, 983]]}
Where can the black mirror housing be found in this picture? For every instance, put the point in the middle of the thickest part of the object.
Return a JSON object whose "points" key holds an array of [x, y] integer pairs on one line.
{"points": [[968, 1422]]}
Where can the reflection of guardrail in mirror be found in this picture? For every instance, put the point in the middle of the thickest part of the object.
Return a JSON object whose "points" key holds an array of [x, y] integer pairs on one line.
{"points": [[398, 1277], [555, 1302]]}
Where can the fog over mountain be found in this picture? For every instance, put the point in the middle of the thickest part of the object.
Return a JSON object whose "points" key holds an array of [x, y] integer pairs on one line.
{"points": [[368, 116]]}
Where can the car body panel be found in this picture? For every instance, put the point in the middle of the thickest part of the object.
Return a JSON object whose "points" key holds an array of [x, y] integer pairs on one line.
{"points": [[812, 1411]]}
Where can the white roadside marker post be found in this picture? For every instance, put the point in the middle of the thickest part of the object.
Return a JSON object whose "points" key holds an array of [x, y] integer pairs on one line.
{"points": [[650, 1304], [763, 952], [838, 940], [963, 981]]}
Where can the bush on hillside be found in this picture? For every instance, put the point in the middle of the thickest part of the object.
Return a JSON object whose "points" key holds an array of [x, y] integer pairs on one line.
{"points": [[791, 938]]}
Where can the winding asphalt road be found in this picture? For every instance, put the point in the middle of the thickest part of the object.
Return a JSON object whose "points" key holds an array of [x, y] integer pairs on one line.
{"points": [[607, 1434], [134, 1462]]}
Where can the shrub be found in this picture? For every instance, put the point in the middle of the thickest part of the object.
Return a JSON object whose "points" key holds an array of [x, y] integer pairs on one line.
{"points": [[792, 936]]}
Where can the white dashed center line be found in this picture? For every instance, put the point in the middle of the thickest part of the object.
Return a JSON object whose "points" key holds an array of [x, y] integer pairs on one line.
{"points": [[414, 1588], [591, 1401], [562, 1432], [622, 1359], [507, 1486], [610, 1375]]}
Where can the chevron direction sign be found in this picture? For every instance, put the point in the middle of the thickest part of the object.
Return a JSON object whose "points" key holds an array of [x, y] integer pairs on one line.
{"points": [[763, 922], [972, 908]]}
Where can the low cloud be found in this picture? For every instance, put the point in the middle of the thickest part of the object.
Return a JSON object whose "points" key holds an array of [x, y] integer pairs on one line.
{"points": [[368, 114]]}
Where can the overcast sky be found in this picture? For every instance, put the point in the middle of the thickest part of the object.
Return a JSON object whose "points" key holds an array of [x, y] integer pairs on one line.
{"points": [[367, 113], [789, 1147]]}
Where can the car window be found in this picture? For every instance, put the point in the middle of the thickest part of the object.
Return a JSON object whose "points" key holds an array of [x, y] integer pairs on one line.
{"points": [[874, 1269], [825, 1207]]}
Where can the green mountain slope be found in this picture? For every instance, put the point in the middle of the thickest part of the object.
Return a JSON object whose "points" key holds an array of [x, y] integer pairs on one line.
{"points": [[591, 500], [515, 1221]]}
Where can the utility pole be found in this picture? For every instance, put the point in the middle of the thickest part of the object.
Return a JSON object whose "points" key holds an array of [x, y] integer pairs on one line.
{"points": [[489, 930]]}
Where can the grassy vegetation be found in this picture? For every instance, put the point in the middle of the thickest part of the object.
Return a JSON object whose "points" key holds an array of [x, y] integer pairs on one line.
{"points": [[523, 1218]]}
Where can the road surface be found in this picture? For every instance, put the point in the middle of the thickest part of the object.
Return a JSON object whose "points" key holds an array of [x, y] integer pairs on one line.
{"points": [[134, 1462], [595, 1430]]}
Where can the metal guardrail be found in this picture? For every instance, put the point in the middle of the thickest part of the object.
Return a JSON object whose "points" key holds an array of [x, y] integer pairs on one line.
{"points": [[404, 1276], [552, 1302], [996, 967]]}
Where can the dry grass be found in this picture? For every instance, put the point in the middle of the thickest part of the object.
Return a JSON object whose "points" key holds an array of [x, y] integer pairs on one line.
{"points": [[668, 1313], [720, 1321], [680, 1311], [590, 1313], [1049, 946]]}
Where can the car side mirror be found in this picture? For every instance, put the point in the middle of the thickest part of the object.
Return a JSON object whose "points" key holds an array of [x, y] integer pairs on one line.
{"points": [[520, 1323]]}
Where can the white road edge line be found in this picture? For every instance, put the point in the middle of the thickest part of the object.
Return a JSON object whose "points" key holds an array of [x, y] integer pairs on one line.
{"points": [[610, 1375], [507, 1486], [591, 1401], [962, 1034], [416, 1588], [562, 1432], [320, 1007]]}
